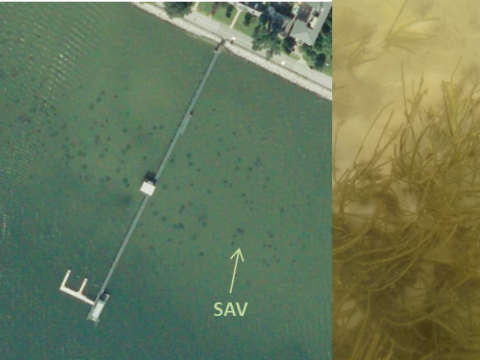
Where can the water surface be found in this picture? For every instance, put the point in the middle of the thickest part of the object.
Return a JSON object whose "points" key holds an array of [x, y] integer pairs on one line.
{"points": [[91, 95]]}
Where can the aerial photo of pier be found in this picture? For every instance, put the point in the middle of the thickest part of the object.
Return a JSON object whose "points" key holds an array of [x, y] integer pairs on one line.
{"points": [[157, 160]]}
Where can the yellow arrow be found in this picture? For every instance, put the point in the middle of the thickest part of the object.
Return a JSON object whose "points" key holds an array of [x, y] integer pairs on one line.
{"points": [[236, 253]]}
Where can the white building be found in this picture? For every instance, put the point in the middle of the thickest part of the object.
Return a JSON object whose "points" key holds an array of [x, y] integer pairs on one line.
{"points": [[148, 187]]}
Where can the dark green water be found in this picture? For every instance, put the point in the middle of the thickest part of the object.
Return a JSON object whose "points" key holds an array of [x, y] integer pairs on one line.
{"points": [[90, 96]]}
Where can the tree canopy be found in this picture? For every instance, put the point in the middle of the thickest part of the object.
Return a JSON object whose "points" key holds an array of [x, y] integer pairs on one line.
{"points": [[266, 35], [288, 44], [178, 9], [248, 19], [265, 39], [321, 52]]}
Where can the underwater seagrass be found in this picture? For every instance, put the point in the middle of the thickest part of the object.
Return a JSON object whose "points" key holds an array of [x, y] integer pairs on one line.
{"points": [[406, 235]]}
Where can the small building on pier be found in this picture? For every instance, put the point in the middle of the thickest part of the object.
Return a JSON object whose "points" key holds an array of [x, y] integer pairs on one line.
{"points": [[98, 308], [148, 187]]}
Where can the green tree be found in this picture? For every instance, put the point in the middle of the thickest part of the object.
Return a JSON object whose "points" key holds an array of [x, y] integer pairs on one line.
{"points": [[312, 58], [178, 9], [247, 20], [229, 11], [324, 41], [264, 18], [264, 39], [317, 55], [320, 60], [274, 47], [288, 44], [327, 44]]}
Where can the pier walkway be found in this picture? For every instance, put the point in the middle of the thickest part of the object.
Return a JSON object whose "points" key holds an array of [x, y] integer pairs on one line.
{"points": [[181, 129], [189, 113]]}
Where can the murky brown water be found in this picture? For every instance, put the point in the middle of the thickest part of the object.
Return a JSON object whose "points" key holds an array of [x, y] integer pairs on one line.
{"points": [[406, 275], [428, 38]]}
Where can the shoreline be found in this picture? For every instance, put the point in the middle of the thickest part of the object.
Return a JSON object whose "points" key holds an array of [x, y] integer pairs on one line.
{"points": [[246, 54]]}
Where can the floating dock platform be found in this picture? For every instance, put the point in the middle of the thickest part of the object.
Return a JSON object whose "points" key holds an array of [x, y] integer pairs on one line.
{"points": [[77, 294]]}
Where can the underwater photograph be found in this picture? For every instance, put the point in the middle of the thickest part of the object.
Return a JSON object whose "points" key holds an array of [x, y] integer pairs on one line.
{"points": [[406, 180]]}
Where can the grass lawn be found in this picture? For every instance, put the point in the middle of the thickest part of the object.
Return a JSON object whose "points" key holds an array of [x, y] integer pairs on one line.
{"points": [[292, 55], [221, 14], [247, 30], [328, 69], [205, 8]]}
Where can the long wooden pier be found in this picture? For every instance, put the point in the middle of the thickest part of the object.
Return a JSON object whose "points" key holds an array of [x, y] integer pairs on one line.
{"points": [[180, 130], [189, 113]]}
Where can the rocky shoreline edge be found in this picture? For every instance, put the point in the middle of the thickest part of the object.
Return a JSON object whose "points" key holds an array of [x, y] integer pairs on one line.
{"points": [[239, 51]]}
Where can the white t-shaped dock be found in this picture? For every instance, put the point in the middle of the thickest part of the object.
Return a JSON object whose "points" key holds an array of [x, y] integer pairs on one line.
{"points": [[77, 294]]}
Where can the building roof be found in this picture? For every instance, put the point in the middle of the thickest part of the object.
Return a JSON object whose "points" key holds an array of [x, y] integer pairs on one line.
{"points": [[304, 12], [254, 5], [147, 188], [254, 8], [316, 5], [301, 30]]}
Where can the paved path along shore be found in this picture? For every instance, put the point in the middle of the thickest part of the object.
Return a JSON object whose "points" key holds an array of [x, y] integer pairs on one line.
{"points": [[290, 69]]}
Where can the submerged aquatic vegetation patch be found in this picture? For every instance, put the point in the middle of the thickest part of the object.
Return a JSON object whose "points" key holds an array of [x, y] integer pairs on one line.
{"points": [[406, 237], [406, 32]]}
